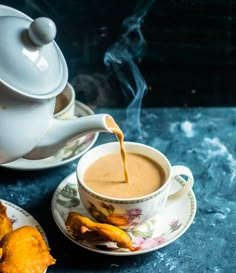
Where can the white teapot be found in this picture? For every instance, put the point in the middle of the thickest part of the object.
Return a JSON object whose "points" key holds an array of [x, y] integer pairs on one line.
{"points": [[33, 72]]}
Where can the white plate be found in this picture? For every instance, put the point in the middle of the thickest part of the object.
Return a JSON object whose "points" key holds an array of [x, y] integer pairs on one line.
{"points": [[162, 230], [66, 155], [19, 217]]}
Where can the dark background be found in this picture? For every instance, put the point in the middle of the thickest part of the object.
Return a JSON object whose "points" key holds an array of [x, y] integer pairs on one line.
{"points": [[189, 58]]}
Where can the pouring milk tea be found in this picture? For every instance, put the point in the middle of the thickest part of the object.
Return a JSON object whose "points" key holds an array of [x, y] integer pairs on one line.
{"points": [[126, 184]]}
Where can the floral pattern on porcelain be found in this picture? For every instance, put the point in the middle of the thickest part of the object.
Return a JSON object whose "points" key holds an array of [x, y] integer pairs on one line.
{"points": [[154, 234], [143, 237], [109, 215]]}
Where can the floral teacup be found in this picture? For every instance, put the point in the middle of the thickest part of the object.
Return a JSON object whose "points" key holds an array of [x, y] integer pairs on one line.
{"points": [[129, 213]]}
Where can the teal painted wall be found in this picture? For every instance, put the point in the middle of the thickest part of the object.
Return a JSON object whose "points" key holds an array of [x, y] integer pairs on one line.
{"points": [[189, 57]]}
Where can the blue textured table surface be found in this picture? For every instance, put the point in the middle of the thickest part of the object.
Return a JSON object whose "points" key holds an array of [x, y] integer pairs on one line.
{"points": [[203, 139]]}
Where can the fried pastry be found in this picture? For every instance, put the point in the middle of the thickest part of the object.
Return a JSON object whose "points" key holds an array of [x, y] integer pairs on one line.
{"points": [[81, 227], [24, 250], [5, 223]]}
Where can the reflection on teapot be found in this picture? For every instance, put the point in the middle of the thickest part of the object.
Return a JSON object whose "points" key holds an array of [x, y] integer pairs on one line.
{"points": [[33, 72]]}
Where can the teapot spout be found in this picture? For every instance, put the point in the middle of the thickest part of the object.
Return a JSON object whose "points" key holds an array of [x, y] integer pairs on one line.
{"points": [[62, 132]]}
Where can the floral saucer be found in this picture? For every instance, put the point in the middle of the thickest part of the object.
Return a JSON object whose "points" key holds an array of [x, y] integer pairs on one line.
{"points": [[19, 217], [162, 230], [66, 155]]}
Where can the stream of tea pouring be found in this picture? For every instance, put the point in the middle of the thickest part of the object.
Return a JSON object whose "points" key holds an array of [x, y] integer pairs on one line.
{"points": [[62, 132]]}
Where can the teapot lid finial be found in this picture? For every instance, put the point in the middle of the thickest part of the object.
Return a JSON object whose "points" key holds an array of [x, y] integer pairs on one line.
{"points": [[42, 31]]}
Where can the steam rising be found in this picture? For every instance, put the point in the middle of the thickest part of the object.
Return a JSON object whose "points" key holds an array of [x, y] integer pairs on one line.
{"points": [[122, 56]]}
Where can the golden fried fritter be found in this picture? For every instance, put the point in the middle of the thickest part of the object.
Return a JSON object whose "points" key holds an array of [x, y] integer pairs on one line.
{"points": [[24, 250], [83, 228], [5, 223]]}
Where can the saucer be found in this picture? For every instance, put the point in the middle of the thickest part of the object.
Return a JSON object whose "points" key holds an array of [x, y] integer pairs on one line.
{"points": [[64, 156], [165, 228], [19, 217]]}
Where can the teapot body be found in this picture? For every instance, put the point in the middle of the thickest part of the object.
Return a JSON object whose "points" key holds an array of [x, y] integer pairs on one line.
{"points": [[33, 72], [28, 128], [22, 124]]}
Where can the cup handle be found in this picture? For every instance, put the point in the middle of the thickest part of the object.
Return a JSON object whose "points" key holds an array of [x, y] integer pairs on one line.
{"points": [[181, 170]]}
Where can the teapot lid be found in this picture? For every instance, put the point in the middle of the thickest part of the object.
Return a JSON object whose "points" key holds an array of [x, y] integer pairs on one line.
{"points": [[31, 62]]}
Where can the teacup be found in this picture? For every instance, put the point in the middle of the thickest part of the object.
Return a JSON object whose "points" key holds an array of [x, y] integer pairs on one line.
{"points": [[65, 103], [129, 213]]}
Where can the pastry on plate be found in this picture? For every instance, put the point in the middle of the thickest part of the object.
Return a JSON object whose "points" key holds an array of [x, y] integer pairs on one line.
{"points": [[5, 223], [24, 250], [81, 227]]}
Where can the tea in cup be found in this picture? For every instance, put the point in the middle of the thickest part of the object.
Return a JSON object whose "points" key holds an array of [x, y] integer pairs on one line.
{"points": [[109, 198], [65, 103]]}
